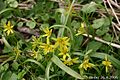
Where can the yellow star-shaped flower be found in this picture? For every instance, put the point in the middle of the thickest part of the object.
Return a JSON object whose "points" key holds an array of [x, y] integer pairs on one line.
{"points": [[47, 48], [85, 65], [62, 42], [47, 32], [69, 61], [36, 42], [106, 63], [64, 52], [34, 54], [8, 28]]}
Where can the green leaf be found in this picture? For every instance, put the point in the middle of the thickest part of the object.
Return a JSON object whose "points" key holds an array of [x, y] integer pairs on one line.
{"points": [[117, 74], [2, 5], [75, 24], [14, 4], [20, 24], [102, 31], [107, 22], [78, 54], [36, 62], [102, 22], [68, 70], [93, 45], [7, 75], [21, 74], [3, 21], [97, 23], [107, 37], [62, 19], [60, 10], [77, 42], [47, 71], [15, 65], [88, 8], [98, 1], [7, 9], [49, 5], [99, 32], [40, 57], [31, 24], [6, 43], [1, 69], [45, 17], [13, 77], [9, 59], [6, 66]]}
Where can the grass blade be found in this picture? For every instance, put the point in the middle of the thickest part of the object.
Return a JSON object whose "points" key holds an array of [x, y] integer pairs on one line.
{"points": [[36, 62], [47, 71], [4, 10], [68, 70]]}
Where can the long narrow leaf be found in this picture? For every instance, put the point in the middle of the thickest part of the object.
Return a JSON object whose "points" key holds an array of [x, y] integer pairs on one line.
{"points": [[47, 71], [4, 10], [6, 43], [68, 70], [9, 59], [36, 62]]}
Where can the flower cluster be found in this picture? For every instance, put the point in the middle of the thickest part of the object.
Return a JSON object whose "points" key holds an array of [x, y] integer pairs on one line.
{"points": [[37, 44], [61, 44], [47, 47]]}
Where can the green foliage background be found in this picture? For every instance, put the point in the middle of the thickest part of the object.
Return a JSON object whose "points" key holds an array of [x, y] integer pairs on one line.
{"points": [[64, 17]]}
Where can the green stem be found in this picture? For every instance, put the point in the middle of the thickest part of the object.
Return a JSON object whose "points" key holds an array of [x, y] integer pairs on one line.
{"points": [[4, 10], [47, 71], [63, 26], [36, 62], [9, 59], [62, 29], [4, 56]]}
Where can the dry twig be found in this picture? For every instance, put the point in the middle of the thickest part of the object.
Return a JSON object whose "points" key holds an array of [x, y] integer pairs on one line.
{"points": [[103, 41], [113, 12]]}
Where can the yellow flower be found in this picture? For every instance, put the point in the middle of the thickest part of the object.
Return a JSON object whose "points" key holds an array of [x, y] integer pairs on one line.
{"points": [[17, 52], [34, 54], [47, 33], [36, 42], [64, 53], [81, 29], [70, 61], [8, 28], [106, 63], [62, 42], [86, 64], [47, 48]]}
